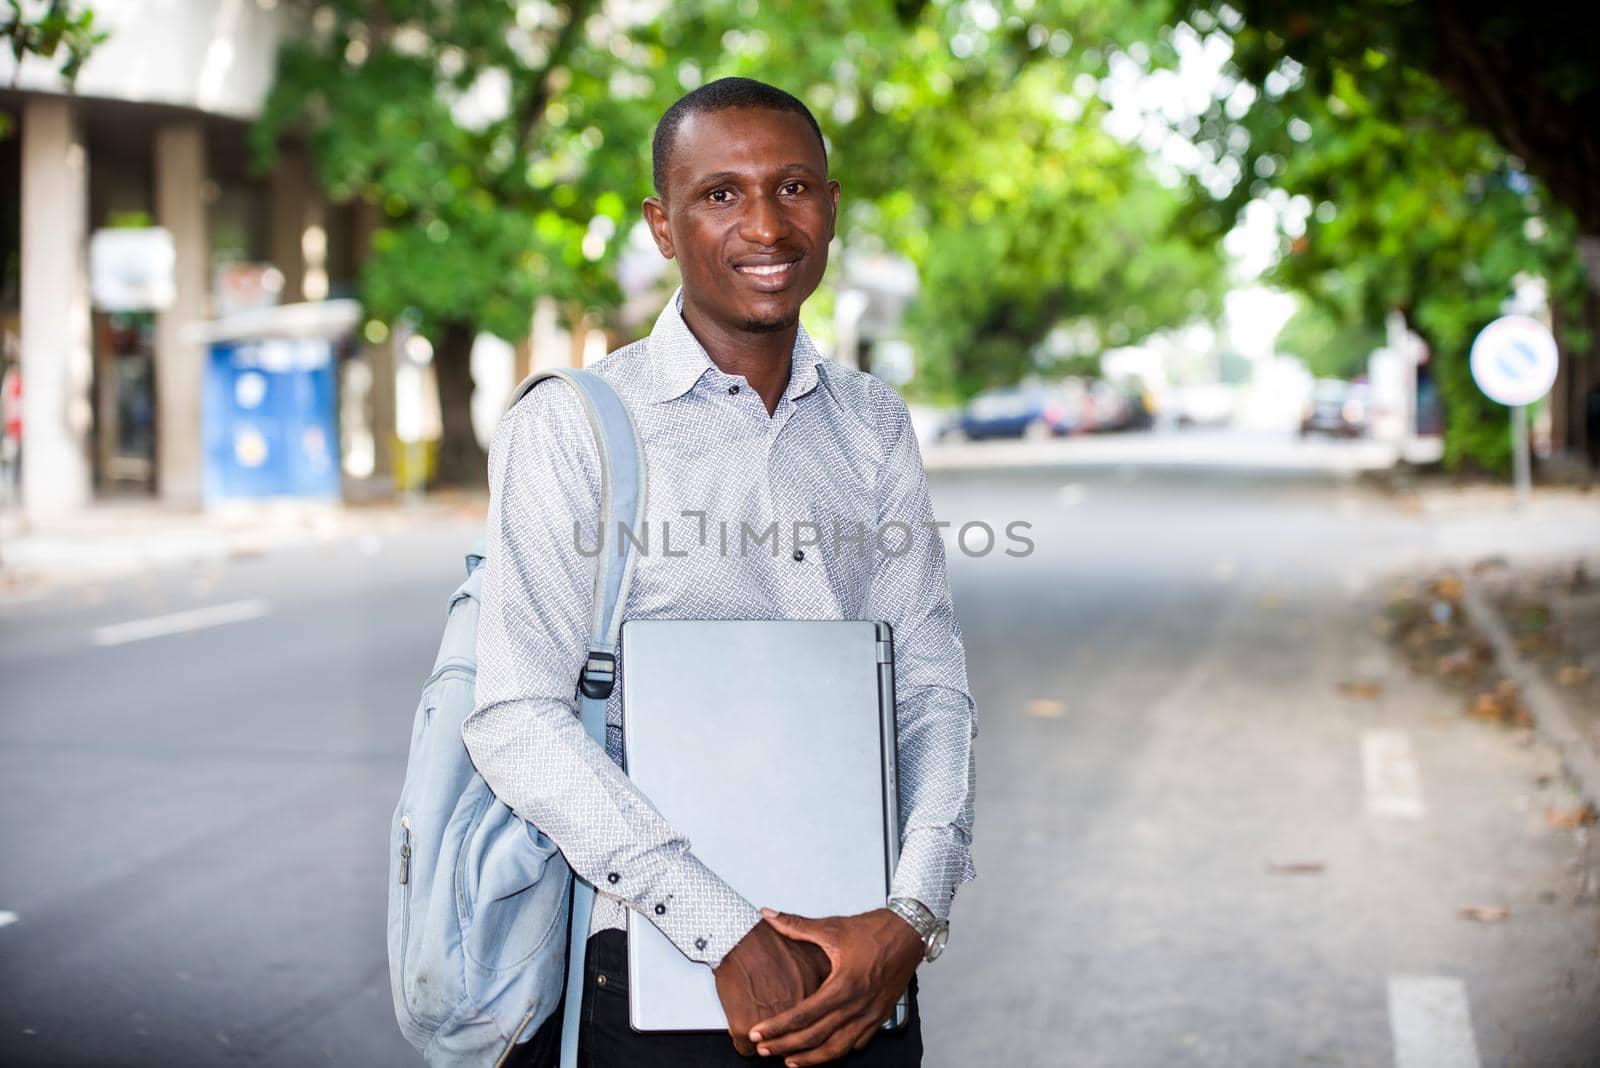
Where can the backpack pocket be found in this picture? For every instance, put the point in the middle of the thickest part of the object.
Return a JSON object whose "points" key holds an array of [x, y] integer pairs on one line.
{"points": [[441, 798], [513, 890]]}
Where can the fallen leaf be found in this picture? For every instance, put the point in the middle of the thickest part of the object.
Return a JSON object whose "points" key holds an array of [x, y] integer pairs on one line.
{"points": [[1046, 708], [1447, 588], [1297, 867], [1567, 818], [1361, 689], [1484, 913], [1462, 663], [1572, 675]]}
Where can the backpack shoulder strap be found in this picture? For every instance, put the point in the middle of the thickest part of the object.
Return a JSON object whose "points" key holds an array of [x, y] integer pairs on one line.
{"points": [[622, 497]]}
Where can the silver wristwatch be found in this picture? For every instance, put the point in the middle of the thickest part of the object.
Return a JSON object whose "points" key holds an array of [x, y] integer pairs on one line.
{"points": [[934, 932]]}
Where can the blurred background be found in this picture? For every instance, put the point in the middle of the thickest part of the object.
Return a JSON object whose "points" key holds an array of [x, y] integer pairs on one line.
{"points": [[1290, 720]]}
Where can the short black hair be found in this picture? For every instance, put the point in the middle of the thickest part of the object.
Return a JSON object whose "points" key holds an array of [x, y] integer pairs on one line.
{"points": [[721, 95]]}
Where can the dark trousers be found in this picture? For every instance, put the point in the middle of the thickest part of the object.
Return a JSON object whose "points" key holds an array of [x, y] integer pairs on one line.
{"points": [[607, 1041]]}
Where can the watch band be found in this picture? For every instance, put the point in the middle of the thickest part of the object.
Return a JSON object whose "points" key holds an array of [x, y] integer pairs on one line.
{"points": [[929, 928]]}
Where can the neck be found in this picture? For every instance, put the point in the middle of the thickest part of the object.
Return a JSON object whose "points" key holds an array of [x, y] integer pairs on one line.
{"points": [[762, 357]]}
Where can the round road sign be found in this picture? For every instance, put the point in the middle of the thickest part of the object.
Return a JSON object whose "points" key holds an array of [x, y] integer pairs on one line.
{"points": [[1514, 360]]}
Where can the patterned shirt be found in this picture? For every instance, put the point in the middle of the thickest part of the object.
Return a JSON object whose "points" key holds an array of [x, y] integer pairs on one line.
{"points": [[819, 510]]}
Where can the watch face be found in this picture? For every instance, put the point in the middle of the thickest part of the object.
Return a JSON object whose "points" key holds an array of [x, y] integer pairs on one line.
{"points": [[936, 941]]}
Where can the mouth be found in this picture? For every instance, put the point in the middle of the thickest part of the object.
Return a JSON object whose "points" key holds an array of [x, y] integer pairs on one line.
{"points": [[769, 276]]}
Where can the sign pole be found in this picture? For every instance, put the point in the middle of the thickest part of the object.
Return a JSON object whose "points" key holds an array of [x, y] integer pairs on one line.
{"points": [[1514, 361], [1520, 464]]}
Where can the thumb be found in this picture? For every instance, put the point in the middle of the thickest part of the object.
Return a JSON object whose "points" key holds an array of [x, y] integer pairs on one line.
{"points": [[798, 927]]}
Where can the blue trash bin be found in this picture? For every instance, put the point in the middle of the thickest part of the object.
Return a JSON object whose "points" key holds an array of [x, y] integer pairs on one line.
{"points": [[270, 420]]}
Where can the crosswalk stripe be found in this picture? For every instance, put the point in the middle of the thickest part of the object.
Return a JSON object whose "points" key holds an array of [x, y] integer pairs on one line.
{"points": [[1393, 781], [178, 622], [1431, 1022]]}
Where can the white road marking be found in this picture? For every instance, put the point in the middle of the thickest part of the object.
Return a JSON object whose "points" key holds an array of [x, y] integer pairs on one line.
{"points": [[1431, 1022], [178, 622], [1393, 781], [7, 919]]}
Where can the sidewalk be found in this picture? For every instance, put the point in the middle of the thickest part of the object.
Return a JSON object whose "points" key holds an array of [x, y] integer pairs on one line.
{"points": [[114, 539], [1504, 609]]}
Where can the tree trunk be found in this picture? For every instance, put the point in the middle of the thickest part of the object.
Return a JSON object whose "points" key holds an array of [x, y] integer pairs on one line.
{"points": [[462, 461]]}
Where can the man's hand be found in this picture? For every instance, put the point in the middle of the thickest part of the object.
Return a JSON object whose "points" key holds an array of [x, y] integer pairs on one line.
{"points": [[873, 956], [763, 974]]}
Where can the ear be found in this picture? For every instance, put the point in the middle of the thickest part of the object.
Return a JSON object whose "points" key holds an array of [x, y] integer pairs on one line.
{"points": [[833, 203], [655, 216]]}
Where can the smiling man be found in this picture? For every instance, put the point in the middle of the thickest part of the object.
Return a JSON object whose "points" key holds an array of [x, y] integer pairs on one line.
{"points": [[744, 425]]}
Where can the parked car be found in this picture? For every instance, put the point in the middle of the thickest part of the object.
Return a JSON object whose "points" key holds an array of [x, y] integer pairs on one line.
{"points": [[1337, 407], [1119, 408], [1017, 412]]}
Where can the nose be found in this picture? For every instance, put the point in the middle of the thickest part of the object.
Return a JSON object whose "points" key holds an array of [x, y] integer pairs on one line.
{"points": [[764, 223]]}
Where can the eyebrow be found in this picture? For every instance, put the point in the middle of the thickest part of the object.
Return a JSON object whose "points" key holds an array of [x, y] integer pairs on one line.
{"points": [[733, 176]]}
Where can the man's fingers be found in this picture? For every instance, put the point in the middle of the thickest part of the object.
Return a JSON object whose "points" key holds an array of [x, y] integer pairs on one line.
{"points": [[806, 1037], [868, 1032], [829, 996], [831, 1050]]}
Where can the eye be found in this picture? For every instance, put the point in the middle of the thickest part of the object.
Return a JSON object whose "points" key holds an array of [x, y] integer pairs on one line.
{"points": [[794, 189], [720, 195]]}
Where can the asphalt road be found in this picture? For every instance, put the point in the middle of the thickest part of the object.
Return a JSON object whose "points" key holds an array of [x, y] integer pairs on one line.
{"points": [[194, 824]]}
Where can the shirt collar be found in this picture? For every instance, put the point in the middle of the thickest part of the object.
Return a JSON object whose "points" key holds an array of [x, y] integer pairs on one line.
{"points": [[678, 360]]}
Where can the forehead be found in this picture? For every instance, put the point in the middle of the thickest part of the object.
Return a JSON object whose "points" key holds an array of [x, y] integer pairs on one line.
{"points": [[743, 140]]}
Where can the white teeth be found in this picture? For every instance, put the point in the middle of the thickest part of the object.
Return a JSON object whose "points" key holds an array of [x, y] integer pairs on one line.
{"points": [[768, 269]]}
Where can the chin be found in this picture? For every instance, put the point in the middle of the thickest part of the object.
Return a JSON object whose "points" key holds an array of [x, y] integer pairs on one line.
{"points": [[769, 324]]}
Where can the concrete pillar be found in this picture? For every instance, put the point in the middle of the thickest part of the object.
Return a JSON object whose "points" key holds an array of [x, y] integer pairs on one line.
{"points": [[56, 367], [180, 181], [294, 215], [380, 358]]}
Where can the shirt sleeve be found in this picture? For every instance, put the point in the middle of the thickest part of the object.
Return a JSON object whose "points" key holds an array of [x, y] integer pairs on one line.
{"points": [[524, 735], [935, 723]]}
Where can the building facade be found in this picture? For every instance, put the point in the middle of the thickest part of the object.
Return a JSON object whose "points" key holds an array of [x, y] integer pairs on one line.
{"points": [[153, 138]]}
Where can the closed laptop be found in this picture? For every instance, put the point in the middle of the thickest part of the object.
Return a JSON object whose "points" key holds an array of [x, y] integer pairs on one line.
{"points": [[770, 745]]}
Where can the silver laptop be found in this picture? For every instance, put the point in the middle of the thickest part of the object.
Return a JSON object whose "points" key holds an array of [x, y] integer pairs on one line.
{"points": [[770, 745]]}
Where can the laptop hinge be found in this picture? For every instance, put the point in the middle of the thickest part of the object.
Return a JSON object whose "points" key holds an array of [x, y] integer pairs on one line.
{"points": [[885, 652]]}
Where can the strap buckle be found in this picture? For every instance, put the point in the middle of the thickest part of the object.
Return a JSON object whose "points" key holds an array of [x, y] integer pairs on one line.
{"points": [[599, 675]]}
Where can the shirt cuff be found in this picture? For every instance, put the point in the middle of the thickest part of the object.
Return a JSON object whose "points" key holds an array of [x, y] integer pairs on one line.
{"points": [[698, 912], [933, 862]]}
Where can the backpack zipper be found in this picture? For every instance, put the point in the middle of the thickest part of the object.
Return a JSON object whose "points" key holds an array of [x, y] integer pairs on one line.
{"points": [[453, 668]]}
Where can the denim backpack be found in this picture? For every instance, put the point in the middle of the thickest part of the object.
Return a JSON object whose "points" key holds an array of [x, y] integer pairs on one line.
{"points": [[479, 898]]}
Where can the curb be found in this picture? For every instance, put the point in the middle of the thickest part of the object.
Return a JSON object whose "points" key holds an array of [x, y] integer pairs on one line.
{"points": [[1578, 756]]}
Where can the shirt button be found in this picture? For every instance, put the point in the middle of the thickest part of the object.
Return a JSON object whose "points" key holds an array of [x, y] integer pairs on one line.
{"points": [[732, 390], [799, 555], [699, 943], [613, 878], [661, 910]]}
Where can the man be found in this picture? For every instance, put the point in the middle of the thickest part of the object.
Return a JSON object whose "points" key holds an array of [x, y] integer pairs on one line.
{"points": [[743, 425]]}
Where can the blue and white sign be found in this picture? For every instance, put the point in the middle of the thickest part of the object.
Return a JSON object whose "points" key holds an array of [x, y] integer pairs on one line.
{"points": [[1514, 360]]}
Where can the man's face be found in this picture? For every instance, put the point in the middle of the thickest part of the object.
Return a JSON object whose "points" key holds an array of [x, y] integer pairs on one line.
{"points": [[748, 212]]}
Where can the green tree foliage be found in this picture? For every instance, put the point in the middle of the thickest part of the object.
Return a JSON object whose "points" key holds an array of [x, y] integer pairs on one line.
{"points": [[1400, 201], [1059, 224], [482, 213], [63, 29], [1329, 344], [965, 135]]}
